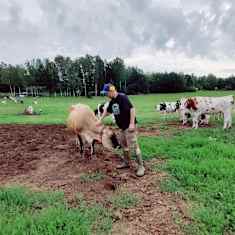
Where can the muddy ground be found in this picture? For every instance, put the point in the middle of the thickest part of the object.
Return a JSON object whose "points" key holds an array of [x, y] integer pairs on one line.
{"points": [[44, 157]]}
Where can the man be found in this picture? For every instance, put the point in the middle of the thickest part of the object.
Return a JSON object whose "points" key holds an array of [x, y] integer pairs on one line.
{"points": [[124, 113]]}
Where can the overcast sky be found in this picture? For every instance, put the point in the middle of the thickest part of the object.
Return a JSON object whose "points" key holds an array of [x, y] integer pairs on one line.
{"points": [[190, 36]]}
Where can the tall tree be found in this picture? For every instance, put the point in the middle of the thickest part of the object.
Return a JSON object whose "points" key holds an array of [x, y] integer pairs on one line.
{"points": [[99, 74], [117, 72]]}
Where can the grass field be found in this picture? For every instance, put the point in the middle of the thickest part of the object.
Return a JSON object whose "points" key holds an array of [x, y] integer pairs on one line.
{"points": [[200, 163], [55, 110]]}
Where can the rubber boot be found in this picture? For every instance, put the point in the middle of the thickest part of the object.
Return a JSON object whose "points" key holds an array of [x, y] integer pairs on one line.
{"points": [[126, 161], [140, 170]]}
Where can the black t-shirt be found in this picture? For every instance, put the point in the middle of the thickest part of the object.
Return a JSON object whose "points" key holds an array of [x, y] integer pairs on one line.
{"points": [[120, 107]]}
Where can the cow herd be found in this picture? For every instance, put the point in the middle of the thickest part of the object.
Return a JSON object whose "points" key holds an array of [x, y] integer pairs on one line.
{"points": [[199, 109]]}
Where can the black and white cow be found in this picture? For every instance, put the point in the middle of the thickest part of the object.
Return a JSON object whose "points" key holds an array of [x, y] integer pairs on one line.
{"points": [[203, 120], [100, 110], [168, 107]]}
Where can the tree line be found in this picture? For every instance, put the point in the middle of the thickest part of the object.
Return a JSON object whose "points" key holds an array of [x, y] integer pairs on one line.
{"points": [[85, 76]]}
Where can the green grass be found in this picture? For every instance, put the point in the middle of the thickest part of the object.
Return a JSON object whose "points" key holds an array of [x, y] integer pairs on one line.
{"points": [[55, 109], [202, 167], [124, 200], [91, 177], [24, 212]]}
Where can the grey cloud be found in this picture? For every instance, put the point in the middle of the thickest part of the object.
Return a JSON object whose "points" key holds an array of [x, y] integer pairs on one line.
{"points": [[118, 27]]}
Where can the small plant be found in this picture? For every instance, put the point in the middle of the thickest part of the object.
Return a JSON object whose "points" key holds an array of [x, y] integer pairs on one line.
{"points": [[90, 177], [124, 200]]}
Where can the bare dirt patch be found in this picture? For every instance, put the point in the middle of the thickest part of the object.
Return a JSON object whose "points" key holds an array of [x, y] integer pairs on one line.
{"points": [[44, 157], [157, 211]]}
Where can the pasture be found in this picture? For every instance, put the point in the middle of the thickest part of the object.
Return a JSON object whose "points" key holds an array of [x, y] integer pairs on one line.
{"points": [[188, 187]]}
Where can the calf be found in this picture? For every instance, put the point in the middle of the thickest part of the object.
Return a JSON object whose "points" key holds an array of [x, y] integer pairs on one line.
{"points": [[210, 105], [186, 116]]}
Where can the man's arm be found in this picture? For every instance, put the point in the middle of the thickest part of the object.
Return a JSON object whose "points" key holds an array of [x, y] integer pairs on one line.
{"points": [[128, 105], [132, 119], [132, 116], [105, 113]]}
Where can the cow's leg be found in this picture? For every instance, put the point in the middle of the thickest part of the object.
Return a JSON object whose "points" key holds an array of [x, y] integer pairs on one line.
{"points": [[207, 118], [227, 119], [230, 120], [93, 148], [195, 120], [185, 119], [90, 142], [79, 138], [182, 117]]}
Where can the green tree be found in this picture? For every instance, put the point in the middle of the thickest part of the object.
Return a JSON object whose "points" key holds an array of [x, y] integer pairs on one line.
{"points": [[117, 72]]}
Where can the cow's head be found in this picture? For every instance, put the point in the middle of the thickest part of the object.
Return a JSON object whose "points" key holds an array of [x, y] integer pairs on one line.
{"points": [[96, 112], [109, 139], [191, 103], [99, 110], [162, 106], [177, 105]]}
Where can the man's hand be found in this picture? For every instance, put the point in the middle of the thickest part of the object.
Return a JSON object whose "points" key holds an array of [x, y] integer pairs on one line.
{"points": [[131, 127]]}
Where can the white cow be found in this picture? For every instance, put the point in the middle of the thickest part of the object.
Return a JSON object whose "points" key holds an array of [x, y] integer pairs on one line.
{"points": [[209, 105]]}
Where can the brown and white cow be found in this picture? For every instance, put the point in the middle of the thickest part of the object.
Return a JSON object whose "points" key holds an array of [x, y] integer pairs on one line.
{"points": [[83, 123], [210, 105]]}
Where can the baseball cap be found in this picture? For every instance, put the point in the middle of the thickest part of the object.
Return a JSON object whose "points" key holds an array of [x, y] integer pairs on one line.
{"points": [[108, 87]]}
